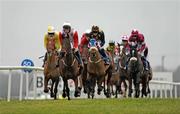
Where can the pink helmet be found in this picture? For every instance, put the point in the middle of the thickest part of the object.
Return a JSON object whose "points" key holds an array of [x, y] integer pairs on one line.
{"points": [[125, 38], [134, 32]]}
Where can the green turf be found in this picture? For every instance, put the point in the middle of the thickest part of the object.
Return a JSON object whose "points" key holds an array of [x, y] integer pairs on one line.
{"points": [[89, 106]]}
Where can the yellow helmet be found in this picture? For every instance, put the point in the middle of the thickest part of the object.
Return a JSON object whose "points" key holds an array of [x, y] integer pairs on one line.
{"points": [[51, 29]]}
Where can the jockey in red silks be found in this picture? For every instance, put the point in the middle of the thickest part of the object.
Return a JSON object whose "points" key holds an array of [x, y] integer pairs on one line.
{"points": [[68, 32], [137, 39], [51, 42], [85, 39]]}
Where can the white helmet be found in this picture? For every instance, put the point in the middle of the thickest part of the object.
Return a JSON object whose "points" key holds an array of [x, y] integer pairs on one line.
{"points": [[66, 25], [125, 38]]}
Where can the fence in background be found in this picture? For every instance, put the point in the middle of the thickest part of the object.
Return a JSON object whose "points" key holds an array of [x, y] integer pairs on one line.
{"points": [[161, 89]]}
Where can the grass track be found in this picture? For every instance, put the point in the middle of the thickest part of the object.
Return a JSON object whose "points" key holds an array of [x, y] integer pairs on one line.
{"points": [[89, 106]]}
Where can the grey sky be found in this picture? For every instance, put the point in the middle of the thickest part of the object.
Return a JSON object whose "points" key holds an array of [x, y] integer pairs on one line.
{"points": [[23, 24]]}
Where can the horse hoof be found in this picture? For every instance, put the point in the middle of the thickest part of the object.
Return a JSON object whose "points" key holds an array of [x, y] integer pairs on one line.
{"points": [[79, 88], [46, 90], [52, 95], [64, 95], [99, 92], [85, 91]]}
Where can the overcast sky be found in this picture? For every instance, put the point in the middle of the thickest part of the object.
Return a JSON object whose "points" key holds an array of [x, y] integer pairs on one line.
{"points": [[23, 24]]}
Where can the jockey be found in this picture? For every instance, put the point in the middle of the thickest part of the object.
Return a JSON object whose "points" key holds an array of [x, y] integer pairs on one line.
{"points": [[51, 41], [85, 39], [125, 43], [68, 32], [137, 39], [111, 46], [100, 38]]}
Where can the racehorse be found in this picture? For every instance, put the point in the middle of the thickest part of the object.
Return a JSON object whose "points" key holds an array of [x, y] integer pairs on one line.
{"points": [[69, 69], [84, 55], [147, 76], [135, 71], [97, 71], [123, 70], [51, 72]]}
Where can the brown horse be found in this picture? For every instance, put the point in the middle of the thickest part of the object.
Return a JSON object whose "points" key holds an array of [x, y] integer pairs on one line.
{"points": [[69, 69], [122, 69], [84, 56], [97, 71], [51, 72], [115, 79], [147, 76]]}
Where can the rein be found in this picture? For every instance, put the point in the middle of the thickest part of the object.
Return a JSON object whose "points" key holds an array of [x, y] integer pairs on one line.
{"points": [[99, 60]]}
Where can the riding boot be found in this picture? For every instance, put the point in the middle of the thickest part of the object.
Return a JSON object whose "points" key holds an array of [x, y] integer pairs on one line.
{"points": [[105, 57], [79, 59], [45, 59], [145, 63]]}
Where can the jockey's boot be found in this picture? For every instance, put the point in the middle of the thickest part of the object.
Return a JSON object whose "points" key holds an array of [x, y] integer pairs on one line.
{"points": [[105, 57], [79, 59], [145, 62], [45, 59]]}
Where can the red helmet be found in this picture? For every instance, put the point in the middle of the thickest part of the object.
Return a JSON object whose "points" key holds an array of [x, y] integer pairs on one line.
{"points": [[134, 32], [141, 38]]}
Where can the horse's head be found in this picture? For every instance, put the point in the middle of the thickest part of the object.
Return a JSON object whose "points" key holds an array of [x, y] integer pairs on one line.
{"points": [[93, 52], [52, 58], [67, 48], [133, 53], [84, 53], [123, 56]]}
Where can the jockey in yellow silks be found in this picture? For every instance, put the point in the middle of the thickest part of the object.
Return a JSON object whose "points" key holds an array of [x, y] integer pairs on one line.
{"points": [[51, 41]]}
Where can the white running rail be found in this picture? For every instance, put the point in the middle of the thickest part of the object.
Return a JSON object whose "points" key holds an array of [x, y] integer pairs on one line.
{"points": [[161, 85], [11, 68], [162, 88]]}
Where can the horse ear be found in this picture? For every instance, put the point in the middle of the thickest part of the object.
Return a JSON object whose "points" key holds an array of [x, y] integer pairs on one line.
{"points": [[118, 44]]}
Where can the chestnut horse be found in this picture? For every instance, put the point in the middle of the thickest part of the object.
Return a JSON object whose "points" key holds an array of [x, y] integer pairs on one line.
{"points": [[97, 70], [51, 72]]}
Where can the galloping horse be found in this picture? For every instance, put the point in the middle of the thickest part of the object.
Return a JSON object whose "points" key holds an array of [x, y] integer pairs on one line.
{"points": [[97, 71], [135, 71], [84, 56], [69, 69], [51, 72], [147, 76], [122, 69]]}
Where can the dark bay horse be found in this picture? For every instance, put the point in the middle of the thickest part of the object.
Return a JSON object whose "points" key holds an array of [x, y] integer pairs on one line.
{"points": [[147, 76], [51, 72], [135, 71], [69, 69], [97, 71]]}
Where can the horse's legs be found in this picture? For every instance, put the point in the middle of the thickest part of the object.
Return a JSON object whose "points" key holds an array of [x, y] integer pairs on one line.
{"points": [[77, 93], [67, 88], [108, 84], [99, 84], [130, 86], [64, 88], [51, 89], [55, 88], [46, 79], [125, 86]]}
